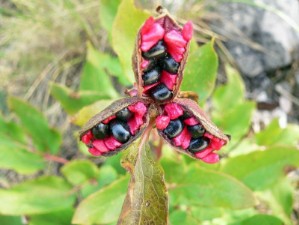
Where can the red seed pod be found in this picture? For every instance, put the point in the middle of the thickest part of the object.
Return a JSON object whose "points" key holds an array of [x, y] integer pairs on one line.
{"points": [[116, 127], [159, 58], [185, 126]]}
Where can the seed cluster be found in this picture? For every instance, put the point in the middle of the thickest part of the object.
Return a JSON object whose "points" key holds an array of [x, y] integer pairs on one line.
{"points": [[162, 51], [158, 63], [116, 130], [184, 130]]}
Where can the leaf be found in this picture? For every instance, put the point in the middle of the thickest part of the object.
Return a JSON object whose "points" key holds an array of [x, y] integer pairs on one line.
{"points": [[124, 32], [275, 135], [19, 159], [192, 185], [182, 217], [10, 220], [89, 111], [201, 71], [11, 131], [260, 169], [71, 101], [231, 111], [94, 76], [260, 219], [79, 171], [279, 198], [35, 124], [62, 217], [146, 200], [108, 10], [106, 176], [102, 207], [42, 195], [283, 192], [233, 92], [191, 215], [237, 121]]}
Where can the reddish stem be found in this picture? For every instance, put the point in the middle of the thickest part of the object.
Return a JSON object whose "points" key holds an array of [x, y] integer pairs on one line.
{"points": [[55, 158], [159, 148]]}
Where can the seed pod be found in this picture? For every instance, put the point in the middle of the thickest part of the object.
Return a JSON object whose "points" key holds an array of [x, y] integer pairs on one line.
{"points": [[199, 137], [114, 133], [164, 41]]}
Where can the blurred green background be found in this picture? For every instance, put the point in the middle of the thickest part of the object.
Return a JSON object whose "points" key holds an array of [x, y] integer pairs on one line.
{"points": [[62, 61]]}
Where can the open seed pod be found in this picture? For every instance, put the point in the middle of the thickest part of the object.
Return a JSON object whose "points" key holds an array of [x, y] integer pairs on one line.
{"points": [[185, 126], [159, 58], [116, 127]]}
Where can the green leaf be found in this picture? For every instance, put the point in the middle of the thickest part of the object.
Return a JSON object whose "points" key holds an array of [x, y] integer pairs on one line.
{"points": [[94, 76], [19, 159], [11, 131], [182, 217], [146, 201], [194, 215], [260, 220], [260, 169], [201, 187], [35, 124], [79, 171], [233, 92], [124, 33], [231, 111], [102, 207], [10, 220], [71, 101], [62, 217], [279, 198], [235, 122], [108, 10], [42, 195], [201, 71], [89, 111], [275, 135], [283, 192], [106, 176]]}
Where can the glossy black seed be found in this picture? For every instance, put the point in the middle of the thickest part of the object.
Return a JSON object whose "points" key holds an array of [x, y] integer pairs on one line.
{"points": [[100, 131], [120, 131], [151, 77], [196, 130], [198, 144], [186, 115], [158, 51], [174, 128], [161, 93], [124, 114], [170, 65], [151, 65]]}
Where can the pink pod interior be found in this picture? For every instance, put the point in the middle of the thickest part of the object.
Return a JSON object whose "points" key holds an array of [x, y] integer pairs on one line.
{"points": [[172, 111], [99, 147], [175, 39]]}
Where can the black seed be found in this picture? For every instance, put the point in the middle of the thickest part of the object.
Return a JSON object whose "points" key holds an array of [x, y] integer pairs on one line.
{"points": [[151, 77], [186, 115], [120, 131], [157, 51], [100, 131], [124, 114], [161, 93], [196, 130], [170, 65], [174, 128], [151, 65], [198, 144]]}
